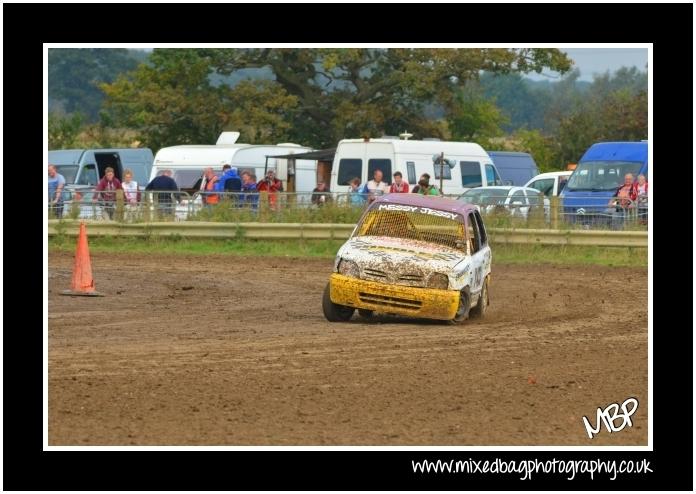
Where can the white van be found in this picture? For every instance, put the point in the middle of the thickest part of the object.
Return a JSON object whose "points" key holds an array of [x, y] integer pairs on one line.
{"points": [[187, 162], [471, 165]]}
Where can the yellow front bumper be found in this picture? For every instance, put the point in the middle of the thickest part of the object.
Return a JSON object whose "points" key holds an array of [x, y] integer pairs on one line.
{"points": [[393, 299]]}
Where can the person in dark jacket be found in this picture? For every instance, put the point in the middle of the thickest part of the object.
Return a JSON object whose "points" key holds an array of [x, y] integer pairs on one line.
{"points": [[165, 200]]}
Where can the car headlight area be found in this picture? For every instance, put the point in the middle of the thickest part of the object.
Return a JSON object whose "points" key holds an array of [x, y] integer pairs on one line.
{"points": [[348, 268], [439, 281]]}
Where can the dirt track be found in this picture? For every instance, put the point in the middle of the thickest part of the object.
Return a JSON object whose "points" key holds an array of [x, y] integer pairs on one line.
{"points": [[233, 351]]}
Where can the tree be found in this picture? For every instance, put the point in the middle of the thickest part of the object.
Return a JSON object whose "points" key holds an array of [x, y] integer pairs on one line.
{"points": [[172, 101], [74, 76], [474, 118], [63, 130], [336, 93]]}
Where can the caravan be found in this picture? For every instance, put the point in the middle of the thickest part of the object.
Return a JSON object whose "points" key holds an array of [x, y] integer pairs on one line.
{"points": [[469, 164], [187, 162]]}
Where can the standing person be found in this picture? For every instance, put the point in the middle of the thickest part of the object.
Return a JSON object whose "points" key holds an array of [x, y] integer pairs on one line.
{"points": [[166, 189], [357, 198], [251, 196], [106, 192], [208, 186], [376, 187], [320, 194], [623, 200], [424, 187], [56, 183], [271, 185], [131, 194], [399, 186], [642, 198]]}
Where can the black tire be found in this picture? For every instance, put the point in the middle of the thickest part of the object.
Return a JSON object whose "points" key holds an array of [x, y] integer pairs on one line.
{"points": [[334, 312], [366, 313], [463, 309], [480, 309]]}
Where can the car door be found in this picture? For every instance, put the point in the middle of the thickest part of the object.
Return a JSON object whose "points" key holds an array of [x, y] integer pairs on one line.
{"points": [[478, 244]]}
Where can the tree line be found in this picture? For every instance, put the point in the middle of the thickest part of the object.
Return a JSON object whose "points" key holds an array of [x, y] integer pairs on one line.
{"points": [[318, 96]]}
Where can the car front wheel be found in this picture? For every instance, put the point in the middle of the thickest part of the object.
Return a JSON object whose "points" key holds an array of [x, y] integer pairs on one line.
{"points": [[334, 312]]}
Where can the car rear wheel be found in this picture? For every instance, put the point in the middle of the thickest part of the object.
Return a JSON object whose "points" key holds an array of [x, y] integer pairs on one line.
{"points": [[334, 312], [480, 309]]}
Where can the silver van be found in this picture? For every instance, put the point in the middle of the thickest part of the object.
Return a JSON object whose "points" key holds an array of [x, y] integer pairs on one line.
{"points": [[86, 166]]}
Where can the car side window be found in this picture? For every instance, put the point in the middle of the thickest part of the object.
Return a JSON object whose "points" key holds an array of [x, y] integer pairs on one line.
{"points": [[88, 176], [474, 234], [481, 228], [518, 197]]}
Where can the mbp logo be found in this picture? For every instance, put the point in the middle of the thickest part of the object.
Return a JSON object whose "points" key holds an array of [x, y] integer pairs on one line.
{"points": [[609, 416]]}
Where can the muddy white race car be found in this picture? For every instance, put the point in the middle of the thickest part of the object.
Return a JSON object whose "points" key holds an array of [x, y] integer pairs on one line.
{"points": [[412, 255]]}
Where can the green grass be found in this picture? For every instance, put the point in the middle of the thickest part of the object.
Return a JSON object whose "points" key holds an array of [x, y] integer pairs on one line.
{"points": [[502, 253]]}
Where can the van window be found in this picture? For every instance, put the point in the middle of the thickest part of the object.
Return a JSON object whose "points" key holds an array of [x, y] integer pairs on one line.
{"points": [[88, 176], [446, 171], [348, 169], [380, 164], [411, 172], [68, 172], [492, 177], [471, 173]]}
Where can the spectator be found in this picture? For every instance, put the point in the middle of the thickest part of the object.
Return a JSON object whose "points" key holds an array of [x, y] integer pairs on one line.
{"points": [[357, 198], [251, 196], [131, 194], [320, 194], [230, 183], [166, 189], [424, 187], [376, 187], [271, 185], [56, 183], [208, 186], [106, 192], [642, 199], [399, 186], [623, 200]]}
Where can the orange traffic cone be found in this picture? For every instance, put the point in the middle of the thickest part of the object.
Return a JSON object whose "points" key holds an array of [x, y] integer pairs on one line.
{"points": [[82, 281]]}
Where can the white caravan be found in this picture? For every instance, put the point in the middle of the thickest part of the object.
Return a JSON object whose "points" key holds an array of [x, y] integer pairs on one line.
{"points": [[470, 166], [187, 162]]}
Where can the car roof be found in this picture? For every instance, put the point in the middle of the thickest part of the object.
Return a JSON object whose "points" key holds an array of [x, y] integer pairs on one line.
{"points": [[441, 203], [552, 174]]}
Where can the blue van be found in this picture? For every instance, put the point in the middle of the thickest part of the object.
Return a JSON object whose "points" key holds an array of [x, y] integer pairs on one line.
{"points": [[600, 172], [514, 168]]}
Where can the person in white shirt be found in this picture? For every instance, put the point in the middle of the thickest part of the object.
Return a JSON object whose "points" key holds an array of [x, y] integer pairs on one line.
{"points": [[376, 187], [131, 195]]}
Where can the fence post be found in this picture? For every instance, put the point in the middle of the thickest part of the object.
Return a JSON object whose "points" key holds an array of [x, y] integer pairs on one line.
{"points": [[119, 205], [555, 205]]}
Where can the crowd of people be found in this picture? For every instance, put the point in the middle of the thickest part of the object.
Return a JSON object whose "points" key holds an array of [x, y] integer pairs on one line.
{"points": [[631, 198], [243, 190]]}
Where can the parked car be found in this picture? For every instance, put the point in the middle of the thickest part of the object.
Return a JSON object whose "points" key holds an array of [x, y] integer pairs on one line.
{"points": [[550, 184], [412, 255], [516, 201]]}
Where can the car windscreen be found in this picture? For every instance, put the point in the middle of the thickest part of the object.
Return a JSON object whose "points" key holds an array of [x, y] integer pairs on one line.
{"points": [[601, 175], [413, 223], [69, 172]]}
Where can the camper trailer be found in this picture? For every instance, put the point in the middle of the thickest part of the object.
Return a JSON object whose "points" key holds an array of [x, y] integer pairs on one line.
{"points": [[468, 164], [188, 162]]}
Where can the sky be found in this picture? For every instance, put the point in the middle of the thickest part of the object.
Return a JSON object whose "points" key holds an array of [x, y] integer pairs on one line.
{"points": [[598, 60]]}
